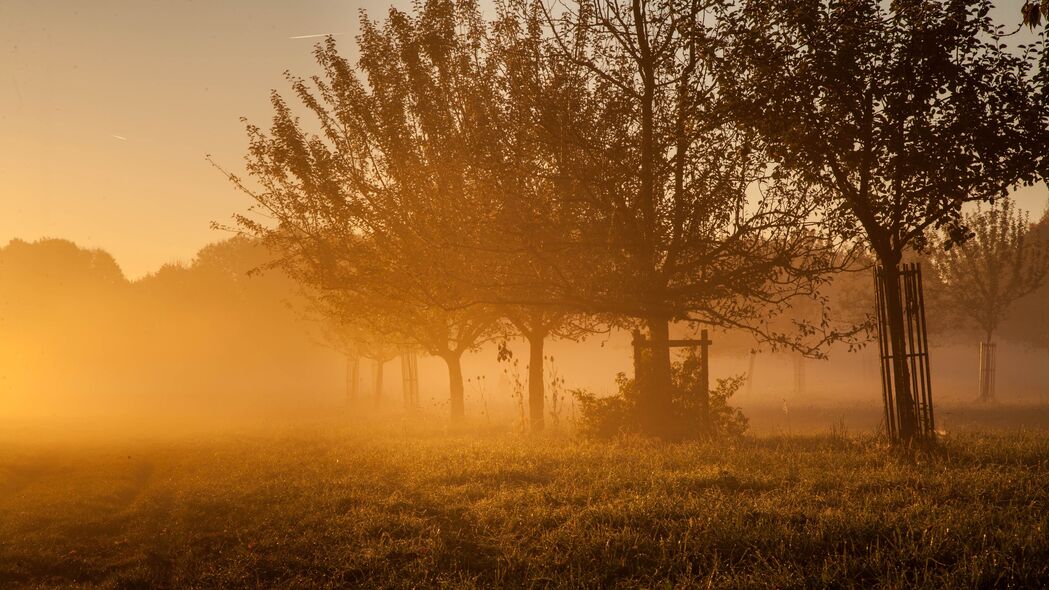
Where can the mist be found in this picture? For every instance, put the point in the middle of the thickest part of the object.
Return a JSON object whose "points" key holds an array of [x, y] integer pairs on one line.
{"points": [[524, 294], [222, 342]]}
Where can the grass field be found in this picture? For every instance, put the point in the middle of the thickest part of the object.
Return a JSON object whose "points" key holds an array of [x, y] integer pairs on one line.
{"points": [[407, 507]]}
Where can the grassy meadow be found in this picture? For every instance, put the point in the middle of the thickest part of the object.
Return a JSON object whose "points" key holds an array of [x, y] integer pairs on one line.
{"points": [[410, 506]]}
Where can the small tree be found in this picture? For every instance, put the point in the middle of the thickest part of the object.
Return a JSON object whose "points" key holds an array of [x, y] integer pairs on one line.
{"points": [[1029, 321], [982, 277], [530, 201], [904, 111]]}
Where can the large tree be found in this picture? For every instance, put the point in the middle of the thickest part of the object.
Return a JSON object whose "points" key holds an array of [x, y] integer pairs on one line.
{"points": [[904, 111], [678, 217]]}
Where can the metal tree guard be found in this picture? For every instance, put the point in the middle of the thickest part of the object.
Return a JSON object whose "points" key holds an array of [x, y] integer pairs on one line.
{"points": [[988, 370], [916, 354], [410, 378]]}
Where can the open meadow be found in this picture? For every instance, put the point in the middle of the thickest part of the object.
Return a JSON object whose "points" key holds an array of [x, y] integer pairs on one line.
{"points": [[409, 505], [282, 286]]}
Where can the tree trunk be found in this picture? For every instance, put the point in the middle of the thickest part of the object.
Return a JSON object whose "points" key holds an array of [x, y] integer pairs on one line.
{"points": [[988, 360], [536, 386], [897, 341], [657, 409], [406, 384], [410, 379], [799, 374], [353, 367], [378, 381], [455, 385]]}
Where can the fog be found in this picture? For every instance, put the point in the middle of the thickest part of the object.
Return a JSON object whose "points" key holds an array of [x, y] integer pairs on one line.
{"points": [[220, 343]]}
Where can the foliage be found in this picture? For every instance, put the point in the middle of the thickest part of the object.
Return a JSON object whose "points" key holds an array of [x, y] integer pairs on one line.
{"points": [[370, 211], [672, 215], [78, 339], [901, 111], [1003, 261], [1029, 320], [904, 112], [607, 417]]}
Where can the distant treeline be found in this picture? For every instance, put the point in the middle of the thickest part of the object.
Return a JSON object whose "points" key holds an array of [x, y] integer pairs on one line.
{"points": [[77, 336]]}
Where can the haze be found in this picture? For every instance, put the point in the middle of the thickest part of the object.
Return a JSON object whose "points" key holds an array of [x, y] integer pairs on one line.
{"points": [[527, 293]]}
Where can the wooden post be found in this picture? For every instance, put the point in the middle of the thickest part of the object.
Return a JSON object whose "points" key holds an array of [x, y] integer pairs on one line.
{"points": [[704, 369]]}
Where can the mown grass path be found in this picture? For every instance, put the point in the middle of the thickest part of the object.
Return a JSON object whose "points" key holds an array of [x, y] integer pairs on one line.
{"points": [[384, 509]]}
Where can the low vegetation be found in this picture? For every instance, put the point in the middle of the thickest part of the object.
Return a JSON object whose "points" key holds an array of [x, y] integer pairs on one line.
{"points": [[407, 507], [620, 414]]}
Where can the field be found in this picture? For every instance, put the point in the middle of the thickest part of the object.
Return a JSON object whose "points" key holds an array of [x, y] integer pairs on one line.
{"points": [[413, 506]]}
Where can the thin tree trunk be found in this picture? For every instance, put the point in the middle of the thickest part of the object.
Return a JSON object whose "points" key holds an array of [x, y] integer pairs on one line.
{"points": [[750, 374], [897, 341], [353, 367], [657, 411], [406, 385], [984, 359], [378, 381], [455, 385], [799, 374], [410, 379], [987, 361], [536, 386]]}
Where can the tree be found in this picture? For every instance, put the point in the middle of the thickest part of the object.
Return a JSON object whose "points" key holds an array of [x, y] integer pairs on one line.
{"points": [[1028, 322], [371, 210], [982, 277], [678, 217], [530, 200], [348, 333], [903, 112]]}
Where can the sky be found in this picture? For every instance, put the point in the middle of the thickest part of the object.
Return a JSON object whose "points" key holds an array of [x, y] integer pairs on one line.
{"points": [[108, 108]]}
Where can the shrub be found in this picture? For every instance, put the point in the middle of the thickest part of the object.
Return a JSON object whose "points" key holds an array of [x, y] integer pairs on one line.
{"points": [[607, 417]]}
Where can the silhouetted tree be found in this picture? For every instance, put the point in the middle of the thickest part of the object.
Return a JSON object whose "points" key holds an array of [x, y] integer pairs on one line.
{"points": [[348, 333], [530, 200], [982, 277], [680, 217], [1029, 321], [903, 112], [373, 210]]}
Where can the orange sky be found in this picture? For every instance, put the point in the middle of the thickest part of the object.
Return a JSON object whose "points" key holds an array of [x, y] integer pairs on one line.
{"points": [[171, 77], [108, 107]]}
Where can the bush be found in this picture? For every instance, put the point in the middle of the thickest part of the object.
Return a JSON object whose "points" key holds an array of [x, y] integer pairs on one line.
{"points": [[607, 417]]}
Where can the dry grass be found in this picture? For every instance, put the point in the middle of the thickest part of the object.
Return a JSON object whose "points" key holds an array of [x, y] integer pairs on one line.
{"points": [[349, 508]]}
